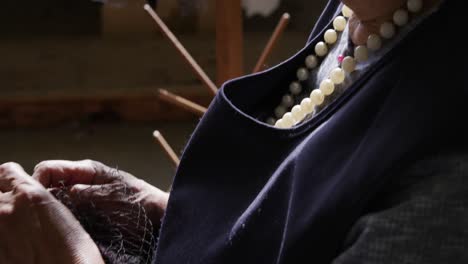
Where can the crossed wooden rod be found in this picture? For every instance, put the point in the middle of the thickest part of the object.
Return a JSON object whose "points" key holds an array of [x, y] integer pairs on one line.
{"points": [[207, 82]]}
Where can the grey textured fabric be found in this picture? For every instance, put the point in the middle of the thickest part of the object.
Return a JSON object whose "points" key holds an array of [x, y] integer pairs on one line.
{"points": [[421, 218]]}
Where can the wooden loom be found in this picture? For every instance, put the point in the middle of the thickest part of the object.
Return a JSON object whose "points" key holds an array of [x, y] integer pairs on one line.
{"points": [[228, 31]]}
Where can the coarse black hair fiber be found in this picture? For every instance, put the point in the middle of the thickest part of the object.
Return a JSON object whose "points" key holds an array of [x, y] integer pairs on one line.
{"points": [[123, 234]]}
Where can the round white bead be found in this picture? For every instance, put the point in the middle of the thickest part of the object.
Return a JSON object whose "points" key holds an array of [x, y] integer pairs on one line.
{"points": [[327, 87], [307, 106], [387, 30], [374, 42], [271, 121], [321, 49], [331, 36], [317, 97], [348, 64], [415, 5], [347, 12], [295, 88], [298, 113], [361, 53], [339, 23], [280, 111], [302, 74], [311, 62], [280, 124], [287, 101], [337, 76], [288, 119], [401, 17]]}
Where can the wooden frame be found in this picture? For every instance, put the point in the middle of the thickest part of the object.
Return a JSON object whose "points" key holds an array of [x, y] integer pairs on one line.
{"points": [[229, 40], [50, 110]]}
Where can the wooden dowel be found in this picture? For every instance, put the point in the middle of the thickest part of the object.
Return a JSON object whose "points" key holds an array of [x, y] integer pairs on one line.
{"points": [[180, 48], [167, 148], [272, 42], [181, 102]]}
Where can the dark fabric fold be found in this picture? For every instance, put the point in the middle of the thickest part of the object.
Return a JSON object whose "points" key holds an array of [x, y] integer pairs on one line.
{"points": [[246, 192]]}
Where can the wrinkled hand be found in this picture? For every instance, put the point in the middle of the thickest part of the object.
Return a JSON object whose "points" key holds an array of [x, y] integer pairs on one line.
{"points": [[102, 185], [35, 227]]}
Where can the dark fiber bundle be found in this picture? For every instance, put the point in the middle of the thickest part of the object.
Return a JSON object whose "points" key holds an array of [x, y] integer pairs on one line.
{"points": [[124, 233]]}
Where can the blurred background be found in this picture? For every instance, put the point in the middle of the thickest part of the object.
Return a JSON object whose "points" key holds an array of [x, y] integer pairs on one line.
{"points": [[78, 79]]}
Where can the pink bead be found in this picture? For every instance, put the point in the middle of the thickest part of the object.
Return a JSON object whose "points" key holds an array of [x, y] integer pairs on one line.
{"points": [[341, 58]]}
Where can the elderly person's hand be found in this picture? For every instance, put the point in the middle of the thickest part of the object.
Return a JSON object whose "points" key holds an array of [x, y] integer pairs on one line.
{"points": [[95, 182], [35, 227]]}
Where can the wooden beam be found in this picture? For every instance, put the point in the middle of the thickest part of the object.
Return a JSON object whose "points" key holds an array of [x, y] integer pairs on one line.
{"points": [[56, 109], [229, 40]]}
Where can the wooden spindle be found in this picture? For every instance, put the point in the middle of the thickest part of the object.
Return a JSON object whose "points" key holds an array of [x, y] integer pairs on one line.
{"points": [[167, 148], [181, 102], [209, 84], [282, 24]]}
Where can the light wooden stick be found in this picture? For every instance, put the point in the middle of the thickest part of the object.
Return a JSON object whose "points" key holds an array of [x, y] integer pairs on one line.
{"points": [[167, 148], [181, 102], [180, 48], [272, 42]]}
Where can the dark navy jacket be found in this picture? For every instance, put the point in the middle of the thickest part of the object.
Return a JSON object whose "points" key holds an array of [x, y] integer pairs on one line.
{"points": [[246, 192]]}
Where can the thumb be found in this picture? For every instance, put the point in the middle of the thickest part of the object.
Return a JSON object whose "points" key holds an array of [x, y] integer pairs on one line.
{"points": [[10, 175]]}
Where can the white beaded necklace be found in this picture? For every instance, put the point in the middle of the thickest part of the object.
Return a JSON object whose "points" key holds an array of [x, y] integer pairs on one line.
{"points": [[297, 113]]}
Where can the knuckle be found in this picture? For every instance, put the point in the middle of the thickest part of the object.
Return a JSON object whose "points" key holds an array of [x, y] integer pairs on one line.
{"points": [[43, 166], [97, 167], [29, 194], [40, 173], [89, 162], [9, 167]]}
